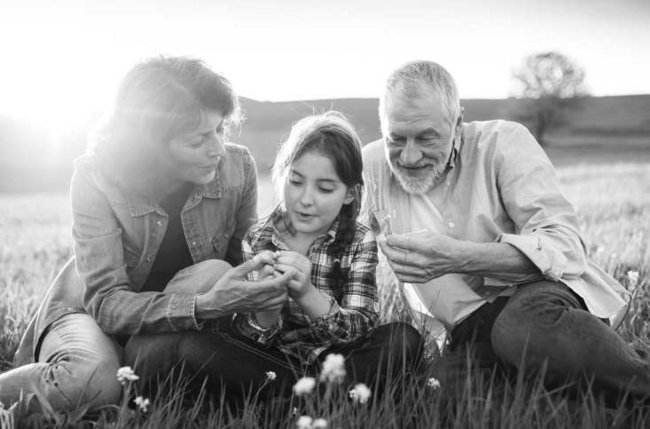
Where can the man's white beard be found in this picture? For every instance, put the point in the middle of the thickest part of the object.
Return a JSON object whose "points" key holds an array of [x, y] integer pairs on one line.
{"points": [[417, 185]]}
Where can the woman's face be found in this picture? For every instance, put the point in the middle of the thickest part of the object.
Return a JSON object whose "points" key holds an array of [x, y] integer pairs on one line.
{"points": [[193, 156]]}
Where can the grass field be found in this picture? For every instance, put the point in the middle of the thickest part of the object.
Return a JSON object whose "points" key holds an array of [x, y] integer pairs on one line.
{"points": [[613, 203]]}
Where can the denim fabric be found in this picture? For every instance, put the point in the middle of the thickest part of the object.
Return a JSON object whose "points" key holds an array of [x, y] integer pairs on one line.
{"points": [[77, 366], [117, 236], [239, 365], [545, 325]]}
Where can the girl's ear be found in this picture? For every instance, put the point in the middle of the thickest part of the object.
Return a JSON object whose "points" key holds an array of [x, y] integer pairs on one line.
{"points": [[350, 194]]}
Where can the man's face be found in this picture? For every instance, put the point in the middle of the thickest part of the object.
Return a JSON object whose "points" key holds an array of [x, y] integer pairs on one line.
{"points": [[419, 138]]}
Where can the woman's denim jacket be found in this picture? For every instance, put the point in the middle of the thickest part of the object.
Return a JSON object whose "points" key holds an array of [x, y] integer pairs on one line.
{"points": [[116, 239]]}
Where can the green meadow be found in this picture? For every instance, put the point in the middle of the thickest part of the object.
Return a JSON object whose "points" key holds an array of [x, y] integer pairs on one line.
{"points": [[613, 202]]}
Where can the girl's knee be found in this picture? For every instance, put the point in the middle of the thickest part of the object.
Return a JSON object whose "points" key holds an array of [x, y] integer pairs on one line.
{"points": [[404, 341]]}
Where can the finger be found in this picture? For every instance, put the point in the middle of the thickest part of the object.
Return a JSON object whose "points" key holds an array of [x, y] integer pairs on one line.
{"points": [[395, 255], [287, 259], [265, 257], [278, 282], [410, 278], [287, 268], [243, 269], [267, 270], [274, 304], [405, 241]]}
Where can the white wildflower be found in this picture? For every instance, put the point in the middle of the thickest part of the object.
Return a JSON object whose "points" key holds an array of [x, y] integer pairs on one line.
{"points": [[304, 386], [360, 393], [271, 375], [319, 424], [143, 403], [126, 374], [304, 422], [632, 278], [294, 412], [433, 383], [333, 368]]}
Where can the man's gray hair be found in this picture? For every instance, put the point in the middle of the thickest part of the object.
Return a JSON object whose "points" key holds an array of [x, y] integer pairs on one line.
{"points": [[407, 81]]}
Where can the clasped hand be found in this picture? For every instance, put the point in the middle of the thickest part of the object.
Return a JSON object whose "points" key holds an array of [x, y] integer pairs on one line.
{"points": [[422, 256], [294, 265]]}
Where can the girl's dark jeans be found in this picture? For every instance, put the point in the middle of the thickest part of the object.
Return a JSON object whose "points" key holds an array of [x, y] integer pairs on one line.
{"points": [[239, 365]]}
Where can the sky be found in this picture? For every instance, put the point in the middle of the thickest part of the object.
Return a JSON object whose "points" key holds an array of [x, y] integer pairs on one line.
{"points": [[62, 58]]}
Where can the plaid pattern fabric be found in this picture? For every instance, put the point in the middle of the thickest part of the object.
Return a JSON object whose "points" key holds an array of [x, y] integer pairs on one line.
{"points": [[354, 301]]}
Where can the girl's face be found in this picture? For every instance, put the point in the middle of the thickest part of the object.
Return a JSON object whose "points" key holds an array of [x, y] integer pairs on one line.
{"points": [[314, 194], [193, 156]]}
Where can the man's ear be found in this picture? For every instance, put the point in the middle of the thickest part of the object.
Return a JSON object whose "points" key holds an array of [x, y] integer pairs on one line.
{"points": [[461, 115]]}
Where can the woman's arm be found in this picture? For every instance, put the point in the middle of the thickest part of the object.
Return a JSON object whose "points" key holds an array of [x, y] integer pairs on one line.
{"points": [[108, 295]]}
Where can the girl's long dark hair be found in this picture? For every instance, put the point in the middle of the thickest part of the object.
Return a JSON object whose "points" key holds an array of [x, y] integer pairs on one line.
{"points": [[333, 136]]}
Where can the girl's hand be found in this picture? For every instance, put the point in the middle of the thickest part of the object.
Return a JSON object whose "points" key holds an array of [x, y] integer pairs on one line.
{"points": [[300, 269]]}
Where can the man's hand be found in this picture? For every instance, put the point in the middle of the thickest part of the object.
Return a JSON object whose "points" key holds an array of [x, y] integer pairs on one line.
{"points": [[423, 256], [299, 267], [233, 293]]}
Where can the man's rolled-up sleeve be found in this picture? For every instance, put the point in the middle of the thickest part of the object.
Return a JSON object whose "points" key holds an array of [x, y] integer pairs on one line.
{"points": [[545, 223]]}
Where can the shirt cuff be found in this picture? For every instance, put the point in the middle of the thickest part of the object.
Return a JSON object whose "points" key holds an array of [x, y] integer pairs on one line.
{"points": [[549, 262], [327, 324], [181, 312]]}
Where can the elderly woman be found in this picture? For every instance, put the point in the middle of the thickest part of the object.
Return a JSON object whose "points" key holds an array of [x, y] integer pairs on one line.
{"points": [[160, 193]]}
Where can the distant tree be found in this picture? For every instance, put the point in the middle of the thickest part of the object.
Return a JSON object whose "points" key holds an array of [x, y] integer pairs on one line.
{"points": [[549, 85]]}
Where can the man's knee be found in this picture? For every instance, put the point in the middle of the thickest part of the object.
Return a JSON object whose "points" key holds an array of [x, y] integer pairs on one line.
{"points": [[526, 320]]}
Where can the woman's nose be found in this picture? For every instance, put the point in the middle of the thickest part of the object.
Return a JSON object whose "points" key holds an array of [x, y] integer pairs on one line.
{"points": [[217, 147]]}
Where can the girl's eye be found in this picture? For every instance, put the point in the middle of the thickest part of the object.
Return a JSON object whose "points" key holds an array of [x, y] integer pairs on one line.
{"points": [[295, 182], [326, 190]]}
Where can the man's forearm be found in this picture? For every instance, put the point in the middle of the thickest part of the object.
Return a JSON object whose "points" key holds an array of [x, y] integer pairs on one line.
{"points": [[497, 260]]}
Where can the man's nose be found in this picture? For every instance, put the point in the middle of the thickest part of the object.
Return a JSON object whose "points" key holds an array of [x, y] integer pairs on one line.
{"points": [[411, 154]]}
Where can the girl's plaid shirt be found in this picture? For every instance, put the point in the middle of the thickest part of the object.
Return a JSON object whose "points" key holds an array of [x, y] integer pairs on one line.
{"points": [[353, 295]]}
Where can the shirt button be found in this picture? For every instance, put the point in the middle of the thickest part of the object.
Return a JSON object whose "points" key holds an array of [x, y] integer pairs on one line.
{"points": [[451, 224], [159, 223], [448, 183], [194, 243]]}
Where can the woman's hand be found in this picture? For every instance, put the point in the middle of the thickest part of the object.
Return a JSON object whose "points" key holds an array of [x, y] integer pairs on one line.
{"points": [[234, 294]]}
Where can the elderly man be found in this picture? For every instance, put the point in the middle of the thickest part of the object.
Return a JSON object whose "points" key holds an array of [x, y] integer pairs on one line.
{"points": [[481, 236]]}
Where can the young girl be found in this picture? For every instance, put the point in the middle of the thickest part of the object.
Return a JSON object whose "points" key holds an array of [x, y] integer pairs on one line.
{"points": [[315, 236]]}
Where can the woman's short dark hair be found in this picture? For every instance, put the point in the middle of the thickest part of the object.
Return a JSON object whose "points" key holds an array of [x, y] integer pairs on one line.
{"points": [[157, 100]]}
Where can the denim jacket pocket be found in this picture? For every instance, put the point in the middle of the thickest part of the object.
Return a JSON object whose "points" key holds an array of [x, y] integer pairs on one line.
{"points": [[221, 239], [220, 244]]}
